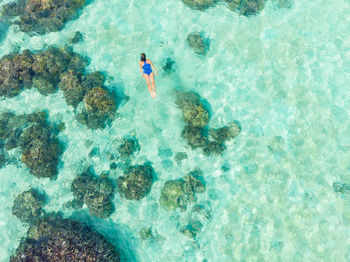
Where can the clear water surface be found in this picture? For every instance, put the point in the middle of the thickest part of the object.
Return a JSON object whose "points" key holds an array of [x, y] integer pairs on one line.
{"points": [[284, 74]]}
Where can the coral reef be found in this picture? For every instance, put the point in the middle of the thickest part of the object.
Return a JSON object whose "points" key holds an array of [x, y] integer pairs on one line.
{"points": [[199, 4], [15, 73], [51, 63], [343, 188], [194, 112], [3, 156], [149, 234], [192, 224], [283, 3], [226, 133], [28, 205], [61, 67], [194, 136], [180, 156], [168, 67], [198, 43], [10, 129], [128, 147], [53, 238], [75, 85], [40, 150], [41, 70], [78, 37], [173, 195], [178, 193], [96, 192], [246, 7], [71, 85], [213, 147], [43, 16], [136, 182], [197, 117], [99, 107]]}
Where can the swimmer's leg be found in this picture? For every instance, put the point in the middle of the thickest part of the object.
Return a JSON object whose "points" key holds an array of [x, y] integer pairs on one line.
{"points": [[153, 84], [145, 76]]}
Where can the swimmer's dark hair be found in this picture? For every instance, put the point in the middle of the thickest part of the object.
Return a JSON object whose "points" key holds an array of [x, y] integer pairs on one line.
{"points": [[143, 57]]}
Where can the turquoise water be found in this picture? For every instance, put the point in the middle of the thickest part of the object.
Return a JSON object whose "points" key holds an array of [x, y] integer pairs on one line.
{"points": [[284, 74]]}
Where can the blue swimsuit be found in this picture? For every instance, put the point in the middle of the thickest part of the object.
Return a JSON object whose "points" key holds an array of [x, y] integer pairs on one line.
{"points": [[147, 68]]}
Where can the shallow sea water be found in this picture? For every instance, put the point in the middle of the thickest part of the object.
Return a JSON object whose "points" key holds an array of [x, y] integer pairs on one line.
{"points": [[283, 74]]}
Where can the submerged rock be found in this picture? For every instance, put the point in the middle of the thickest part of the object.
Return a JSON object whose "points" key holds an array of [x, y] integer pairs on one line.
{"points": [[96, 192], [136, 182], [53, 238], [28, 205], [42, 16]]}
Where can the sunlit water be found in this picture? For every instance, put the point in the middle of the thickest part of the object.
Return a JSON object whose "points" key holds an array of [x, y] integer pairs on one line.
{"points": [[284, 74]]}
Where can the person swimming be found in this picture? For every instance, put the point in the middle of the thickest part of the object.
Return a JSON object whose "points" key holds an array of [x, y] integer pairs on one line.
{"points": [[146, 67]]}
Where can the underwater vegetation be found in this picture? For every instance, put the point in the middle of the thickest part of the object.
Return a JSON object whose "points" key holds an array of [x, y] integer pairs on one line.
{"points": [[96, 192], [52, 238], [195, 133], [136, 182], [178, 193], [60, 67], [42, 16], [198, 43], [37, 139]]}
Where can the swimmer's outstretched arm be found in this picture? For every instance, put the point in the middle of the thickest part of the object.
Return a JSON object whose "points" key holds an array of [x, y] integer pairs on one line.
{"points": [[154, 69]]}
